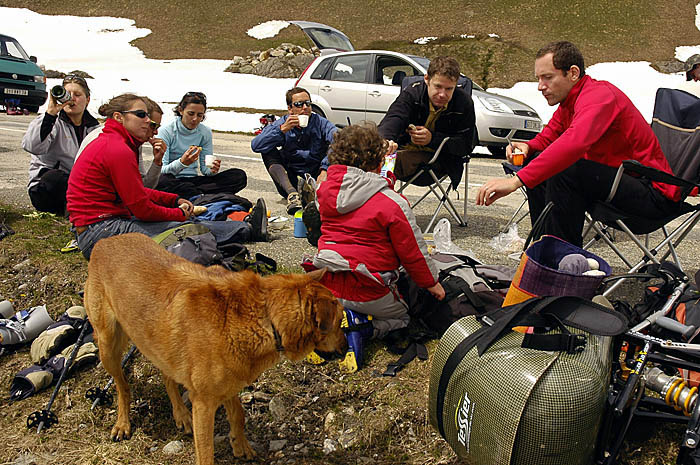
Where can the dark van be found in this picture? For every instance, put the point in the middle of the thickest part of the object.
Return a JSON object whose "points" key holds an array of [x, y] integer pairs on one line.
{"points": [[22, 82]]}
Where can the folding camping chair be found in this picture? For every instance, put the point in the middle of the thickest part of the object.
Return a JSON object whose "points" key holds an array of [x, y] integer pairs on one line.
{"points": [[676, 123], [510, 170], [437, 188]]}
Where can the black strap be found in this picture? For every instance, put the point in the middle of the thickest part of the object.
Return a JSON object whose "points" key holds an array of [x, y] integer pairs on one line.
{"points": [[413, 350], [570, 343]]}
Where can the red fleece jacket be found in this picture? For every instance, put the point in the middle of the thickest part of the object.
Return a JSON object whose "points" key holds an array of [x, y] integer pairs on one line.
{"points": [[599, 123], [105, 182]]}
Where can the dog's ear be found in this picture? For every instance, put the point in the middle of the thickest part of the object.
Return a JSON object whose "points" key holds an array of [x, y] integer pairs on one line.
{"points": [[316, 275], [326, 311]]}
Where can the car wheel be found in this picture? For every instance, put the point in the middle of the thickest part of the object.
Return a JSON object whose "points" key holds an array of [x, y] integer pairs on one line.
{"points": [[318, 111], [497, 150]]}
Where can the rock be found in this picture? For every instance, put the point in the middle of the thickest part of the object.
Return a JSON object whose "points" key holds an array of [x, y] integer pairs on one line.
{"points": [[43, 279], [232, 68], [23, 286], [246, 397], [289, 55], [22, 264], [277, 53], [264, 55], [347, 438], [255, 52], [26, 458], [237, 60], [53, 74], [328, 421], [364, 460], [299, 446], [349, 411], [255, 62], [246, 69], [277, 444], [668, 66], [329, 446], [277, 407], [81, 74], [173, 448]]}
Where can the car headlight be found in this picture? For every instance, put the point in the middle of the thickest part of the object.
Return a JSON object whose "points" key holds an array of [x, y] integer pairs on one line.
{"points": [[40, 79], [494, 104]]}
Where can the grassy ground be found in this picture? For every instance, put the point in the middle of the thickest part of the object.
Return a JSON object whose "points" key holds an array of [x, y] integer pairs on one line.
{"points": [[605, 30]]}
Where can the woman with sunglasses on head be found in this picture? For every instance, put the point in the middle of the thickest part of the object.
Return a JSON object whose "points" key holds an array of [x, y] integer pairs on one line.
{"points": [[106, 195], [188, 143], [53, 139]]}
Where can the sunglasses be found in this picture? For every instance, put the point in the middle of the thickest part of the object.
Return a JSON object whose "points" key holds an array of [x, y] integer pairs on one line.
{"points": [[139, 114], [302, 103], [73, 78], [199, 95], [154, 125]]}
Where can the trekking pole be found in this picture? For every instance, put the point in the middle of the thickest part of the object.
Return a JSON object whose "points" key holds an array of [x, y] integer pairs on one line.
{"points": [[46, 417], [103, 396]]}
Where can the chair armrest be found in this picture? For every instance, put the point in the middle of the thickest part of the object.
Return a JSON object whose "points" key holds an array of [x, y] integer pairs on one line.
{"points": [[437, 152], [650, 173]]}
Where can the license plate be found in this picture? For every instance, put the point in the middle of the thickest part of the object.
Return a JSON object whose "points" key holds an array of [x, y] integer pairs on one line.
{"points": [[532, 124], [17, 91]]}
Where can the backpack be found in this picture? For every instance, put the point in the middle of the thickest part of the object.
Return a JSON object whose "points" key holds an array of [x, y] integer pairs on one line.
{"points": [[471, 288], [191, 241]]}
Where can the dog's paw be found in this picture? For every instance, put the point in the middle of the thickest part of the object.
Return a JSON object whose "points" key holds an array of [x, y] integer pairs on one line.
{"points": [[241, 448], [121, 431], [184, 422]]}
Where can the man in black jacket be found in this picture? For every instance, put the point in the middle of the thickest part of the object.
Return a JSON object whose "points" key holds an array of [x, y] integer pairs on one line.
{"points": [[425, 113]]}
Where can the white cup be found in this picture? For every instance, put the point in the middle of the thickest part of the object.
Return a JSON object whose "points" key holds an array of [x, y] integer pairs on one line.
{"points": [[303, 121], [209, 161]]}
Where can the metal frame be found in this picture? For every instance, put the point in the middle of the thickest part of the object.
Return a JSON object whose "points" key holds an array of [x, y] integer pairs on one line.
{"points": [[443, 195]]}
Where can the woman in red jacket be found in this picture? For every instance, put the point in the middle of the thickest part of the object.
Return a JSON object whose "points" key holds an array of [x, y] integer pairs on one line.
{"points": [[106, 196]]}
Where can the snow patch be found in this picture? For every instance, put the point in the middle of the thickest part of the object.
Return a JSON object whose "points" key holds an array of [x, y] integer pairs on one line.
{"points": [[267, 29], [424, 40]]}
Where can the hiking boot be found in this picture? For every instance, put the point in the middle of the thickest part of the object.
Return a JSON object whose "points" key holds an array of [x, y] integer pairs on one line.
{"points": [[258, 222], [312, 220], [307, 189], [293, 203], [71, 246]]}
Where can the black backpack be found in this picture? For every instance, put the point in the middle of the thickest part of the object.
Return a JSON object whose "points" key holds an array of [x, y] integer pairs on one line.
{"points": [[471, 288]]}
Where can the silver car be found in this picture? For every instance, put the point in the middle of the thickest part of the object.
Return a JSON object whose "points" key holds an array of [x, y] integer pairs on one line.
{"points": [[359, 85]]}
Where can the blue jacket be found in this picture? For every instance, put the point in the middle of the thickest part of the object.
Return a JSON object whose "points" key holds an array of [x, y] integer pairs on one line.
{"points": [[178, 139], [304, 150]]}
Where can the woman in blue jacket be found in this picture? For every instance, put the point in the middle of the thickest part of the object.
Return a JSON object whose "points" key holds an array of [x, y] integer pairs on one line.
{"points": [[188, 143]]}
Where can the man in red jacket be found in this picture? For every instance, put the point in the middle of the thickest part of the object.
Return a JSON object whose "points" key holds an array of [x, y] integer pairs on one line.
{"points": [[594, 129]]}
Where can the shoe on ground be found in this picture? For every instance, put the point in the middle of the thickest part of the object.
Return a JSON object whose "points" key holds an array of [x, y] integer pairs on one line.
{"points": [[293, 203], [307, 189], [258, 222], [71, 246], [312, 220]]}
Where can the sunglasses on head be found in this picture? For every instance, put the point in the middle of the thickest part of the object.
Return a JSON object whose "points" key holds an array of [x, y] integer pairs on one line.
{"points": [[302, 103], [199, 95], [138, 113], [73, 78]]}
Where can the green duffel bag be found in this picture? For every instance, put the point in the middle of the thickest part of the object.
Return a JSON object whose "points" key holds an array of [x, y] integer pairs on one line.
{"points": [[504, 397]]}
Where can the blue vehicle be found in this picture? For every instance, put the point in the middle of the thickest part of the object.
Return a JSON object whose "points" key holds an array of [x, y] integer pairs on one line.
{"points": [[22, 82]]}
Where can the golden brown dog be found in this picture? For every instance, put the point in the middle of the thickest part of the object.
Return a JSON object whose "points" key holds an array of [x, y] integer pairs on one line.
{"points": [[211, 330]]}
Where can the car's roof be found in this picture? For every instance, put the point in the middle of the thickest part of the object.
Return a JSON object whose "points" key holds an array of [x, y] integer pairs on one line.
{"points": [[5, 37]]}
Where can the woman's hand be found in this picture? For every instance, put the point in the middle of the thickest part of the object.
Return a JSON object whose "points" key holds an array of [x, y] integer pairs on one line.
{"points": [[54, 107], [186, 207], [191, 155], [437, 291], [159, 147]]}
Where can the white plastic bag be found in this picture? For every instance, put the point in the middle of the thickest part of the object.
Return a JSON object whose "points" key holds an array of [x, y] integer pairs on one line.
{"points": [[442, 236], [509, 241]]}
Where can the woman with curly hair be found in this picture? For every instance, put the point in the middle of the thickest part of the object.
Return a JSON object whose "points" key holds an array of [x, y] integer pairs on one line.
{"points": [[368, 231]]}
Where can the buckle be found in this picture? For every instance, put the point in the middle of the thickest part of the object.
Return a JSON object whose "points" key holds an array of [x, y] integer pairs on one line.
{"points": [[576, 343]]}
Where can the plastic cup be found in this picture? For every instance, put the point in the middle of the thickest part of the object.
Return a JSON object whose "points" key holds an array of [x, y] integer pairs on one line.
{"points": [[303, 121], [209, 161], [518, 158]]}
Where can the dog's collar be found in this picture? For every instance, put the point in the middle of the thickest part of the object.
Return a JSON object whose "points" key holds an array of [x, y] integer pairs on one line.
{"points": [[278, 339]]}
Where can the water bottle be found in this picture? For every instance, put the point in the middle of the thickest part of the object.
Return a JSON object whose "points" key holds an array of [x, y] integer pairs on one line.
{"points": [[60, 94]]}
